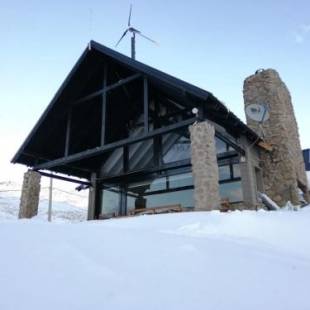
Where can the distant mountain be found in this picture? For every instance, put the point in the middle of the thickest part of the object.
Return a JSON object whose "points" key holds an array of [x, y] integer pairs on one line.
{"points": [[68, 205]]}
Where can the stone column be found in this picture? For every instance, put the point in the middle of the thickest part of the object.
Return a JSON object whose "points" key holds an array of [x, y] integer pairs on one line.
{"points": [[204, 167], [29, 201], [283, 168]]}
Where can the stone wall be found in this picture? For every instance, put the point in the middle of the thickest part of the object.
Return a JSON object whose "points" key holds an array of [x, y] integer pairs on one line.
{"points": [[29, 201], [204, 167], [283, 167]]}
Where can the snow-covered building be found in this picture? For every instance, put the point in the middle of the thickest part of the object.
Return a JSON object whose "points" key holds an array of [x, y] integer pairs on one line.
{"points": [[143, 139]]}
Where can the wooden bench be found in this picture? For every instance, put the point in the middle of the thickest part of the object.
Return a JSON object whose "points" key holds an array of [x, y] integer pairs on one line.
{"points": [[107, 216], [157, 210]]}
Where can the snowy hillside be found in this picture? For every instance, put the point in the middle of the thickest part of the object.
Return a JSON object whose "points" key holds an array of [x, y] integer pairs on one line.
{"points": [[202, 260], [68, 205]]}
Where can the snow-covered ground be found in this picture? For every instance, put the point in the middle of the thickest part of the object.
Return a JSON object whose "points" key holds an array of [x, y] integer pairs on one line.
{"points": [[200, 260]]}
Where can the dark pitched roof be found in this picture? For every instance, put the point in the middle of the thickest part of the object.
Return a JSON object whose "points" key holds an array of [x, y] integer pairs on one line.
{"points": [[151, 73]]}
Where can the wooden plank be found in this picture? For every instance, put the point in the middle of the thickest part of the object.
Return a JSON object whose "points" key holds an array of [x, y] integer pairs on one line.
{"points": [[156, 210], [266, 146]]}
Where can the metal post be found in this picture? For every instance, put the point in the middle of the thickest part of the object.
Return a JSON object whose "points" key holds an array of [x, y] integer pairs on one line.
{"points": [[104, 106], [146, 105], [133, 46], [68, 129], [50, 198]]}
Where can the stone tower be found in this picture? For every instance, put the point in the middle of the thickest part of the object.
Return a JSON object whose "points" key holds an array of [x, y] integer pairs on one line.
{"points": [[283, 167]]}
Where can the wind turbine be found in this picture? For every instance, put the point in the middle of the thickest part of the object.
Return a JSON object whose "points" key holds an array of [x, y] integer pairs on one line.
{"points": [[133, 32]]}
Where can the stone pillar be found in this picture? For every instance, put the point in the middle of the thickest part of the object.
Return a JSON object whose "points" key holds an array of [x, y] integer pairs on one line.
{"points": [[283, 167], [29, 201], [204, 167]]}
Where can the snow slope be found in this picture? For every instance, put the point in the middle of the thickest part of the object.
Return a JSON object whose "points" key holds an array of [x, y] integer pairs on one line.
{"points": [[68, 205], [200, 260]]}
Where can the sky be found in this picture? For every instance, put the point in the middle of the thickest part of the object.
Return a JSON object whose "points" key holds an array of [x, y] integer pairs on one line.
{"points": [[212, 44]]}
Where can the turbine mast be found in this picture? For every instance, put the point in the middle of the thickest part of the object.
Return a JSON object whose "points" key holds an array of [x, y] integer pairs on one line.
{"points": [[133, 46], [133, 32]]}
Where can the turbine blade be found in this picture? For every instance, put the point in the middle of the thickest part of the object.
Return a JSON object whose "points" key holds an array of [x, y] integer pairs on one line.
{"points": [[142, 35], [129, 18], [121, 37]]}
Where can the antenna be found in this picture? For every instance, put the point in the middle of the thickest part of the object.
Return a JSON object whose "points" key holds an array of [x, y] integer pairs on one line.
{"points": [[257, 112], [133, 32]]}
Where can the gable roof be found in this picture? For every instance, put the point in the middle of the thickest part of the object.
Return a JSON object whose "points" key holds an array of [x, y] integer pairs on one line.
{"points": [[144, 69]]}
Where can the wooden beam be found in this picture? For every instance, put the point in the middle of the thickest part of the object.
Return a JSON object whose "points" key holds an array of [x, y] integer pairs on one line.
{"points": [[108, 88], [68, 131], [104, 106], [266, 146], [110, 147], [146, 105]]}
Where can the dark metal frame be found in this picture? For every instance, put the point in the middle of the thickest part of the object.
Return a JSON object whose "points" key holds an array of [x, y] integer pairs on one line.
{"points": [[187, 90], [63, 178], [114, 145]]}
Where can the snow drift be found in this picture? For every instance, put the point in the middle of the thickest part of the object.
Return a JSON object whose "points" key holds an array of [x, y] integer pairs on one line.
{"points": [[200, 260]]}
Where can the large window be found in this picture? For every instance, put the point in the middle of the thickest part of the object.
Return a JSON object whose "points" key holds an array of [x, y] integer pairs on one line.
{"points": [[176, 147], [113, 162], [231, 191], [161, 191], [230, 182], [141, 154], [229, 171], [110, 204], [222, 147]]}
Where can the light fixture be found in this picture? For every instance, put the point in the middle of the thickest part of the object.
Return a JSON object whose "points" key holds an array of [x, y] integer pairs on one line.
{"points": [[195, 111]]}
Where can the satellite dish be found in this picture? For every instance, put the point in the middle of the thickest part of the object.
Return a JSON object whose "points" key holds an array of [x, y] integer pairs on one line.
{"points": [[257, 112]]}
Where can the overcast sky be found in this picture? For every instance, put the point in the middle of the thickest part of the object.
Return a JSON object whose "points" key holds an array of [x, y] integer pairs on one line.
{"points": [[213, 44]]}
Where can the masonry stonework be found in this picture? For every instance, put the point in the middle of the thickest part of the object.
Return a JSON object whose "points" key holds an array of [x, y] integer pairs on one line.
{"points": [[29, 201], [204, 167], [283, 167]]}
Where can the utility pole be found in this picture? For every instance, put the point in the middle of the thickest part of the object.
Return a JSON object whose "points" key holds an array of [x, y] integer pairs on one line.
{"points": [[50, 200]]}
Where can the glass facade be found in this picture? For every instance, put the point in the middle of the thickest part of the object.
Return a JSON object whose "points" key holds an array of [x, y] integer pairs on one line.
{"points": [[110, 204], [231, 191], [230, 182], [161, 191], [222, 147], [175, 148], [168, 187], [141, 154], [229, 171]]}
